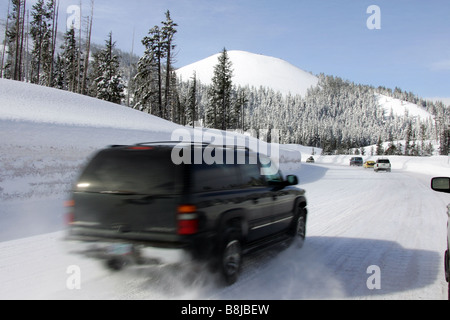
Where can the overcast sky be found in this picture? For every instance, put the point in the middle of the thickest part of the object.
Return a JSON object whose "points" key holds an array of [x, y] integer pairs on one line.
{"points": [[405, 44]]}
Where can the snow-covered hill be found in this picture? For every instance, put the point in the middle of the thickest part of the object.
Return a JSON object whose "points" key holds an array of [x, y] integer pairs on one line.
{"points": [[255, 70], [402, 108]]}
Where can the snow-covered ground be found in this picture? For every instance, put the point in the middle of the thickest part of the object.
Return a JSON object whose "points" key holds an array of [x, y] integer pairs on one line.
{"points": [[358, 219]]}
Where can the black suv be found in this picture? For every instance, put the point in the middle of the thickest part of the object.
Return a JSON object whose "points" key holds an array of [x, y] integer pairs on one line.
{"points": [[356, 161], [134, 197]]}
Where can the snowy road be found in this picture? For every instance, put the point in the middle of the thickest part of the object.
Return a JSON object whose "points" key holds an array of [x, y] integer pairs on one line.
{"points": [[358, 219]]}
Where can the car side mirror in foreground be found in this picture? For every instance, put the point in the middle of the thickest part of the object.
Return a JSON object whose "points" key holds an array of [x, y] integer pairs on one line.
{"points": [[441, 184], [292, 180]]}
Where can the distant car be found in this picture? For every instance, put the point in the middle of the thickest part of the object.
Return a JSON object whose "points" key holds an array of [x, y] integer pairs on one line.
{"points": [[369, 164], [356, 161], [310, 160], [382, 165], [443, 185]]}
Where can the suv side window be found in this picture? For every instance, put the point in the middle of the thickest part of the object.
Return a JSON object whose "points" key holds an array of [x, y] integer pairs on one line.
{"points": [[251, 176], [215, 177]]}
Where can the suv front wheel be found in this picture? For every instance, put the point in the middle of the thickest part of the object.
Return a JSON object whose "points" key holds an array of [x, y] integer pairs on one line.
{"points": [[298, 229]]}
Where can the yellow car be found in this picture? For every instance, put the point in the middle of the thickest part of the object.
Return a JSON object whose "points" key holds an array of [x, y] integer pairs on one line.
{"points": [[369, 164]]}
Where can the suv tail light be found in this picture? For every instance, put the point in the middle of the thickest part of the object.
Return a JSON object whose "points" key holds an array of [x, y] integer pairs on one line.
{"points": [[70, 217], [187, 220]]}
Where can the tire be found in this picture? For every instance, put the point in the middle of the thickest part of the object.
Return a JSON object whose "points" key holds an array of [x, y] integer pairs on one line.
{"points": [[447, 270], [447, 266], [231, 257], [298, 229], [116, 264]]}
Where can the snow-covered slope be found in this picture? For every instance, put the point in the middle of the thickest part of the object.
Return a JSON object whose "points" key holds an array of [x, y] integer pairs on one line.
{"points": [[22, 101], [401, 108], [255, 70]]}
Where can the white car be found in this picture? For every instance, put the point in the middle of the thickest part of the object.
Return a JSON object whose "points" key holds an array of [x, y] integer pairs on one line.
{"points": [[382, 165], [443, 185]]}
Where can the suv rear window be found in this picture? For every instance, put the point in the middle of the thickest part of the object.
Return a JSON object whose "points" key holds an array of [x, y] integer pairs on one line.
{"points": [[383, 161], [132, 171]]}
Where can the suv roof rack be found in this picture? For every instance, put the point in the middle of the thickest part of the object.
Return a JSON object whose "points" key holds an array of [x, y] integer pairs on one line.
{"points": [[193, 143]]}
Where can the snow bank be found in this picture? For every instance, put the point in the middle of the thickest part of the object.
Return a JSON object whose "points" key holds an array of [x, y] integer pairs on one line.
{"points": [[28, 102]]}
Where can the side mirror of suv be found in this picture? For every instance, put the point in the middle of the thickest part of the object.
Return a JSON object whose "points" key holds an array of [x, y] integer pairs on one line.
{"points": [[292, 180], [441, 184]]}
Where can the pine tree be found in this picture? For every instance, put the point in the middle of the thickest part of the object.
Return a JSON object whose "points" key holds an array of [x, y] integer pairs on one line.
{"points": [[240, 103], [41, 37], [156, 47], [445, 142], [408, 138], [146, 81], [69, 61], [60, 73], [108, 81], [219, 108], [380, 150], [191, 104], [167, 34]]}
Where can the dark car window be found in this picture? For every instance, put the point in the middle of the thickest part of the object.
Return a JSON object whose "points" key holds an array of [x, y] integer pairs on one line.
{"points": [[215, 177], [251, 176], [383, 161], [132, 171]]}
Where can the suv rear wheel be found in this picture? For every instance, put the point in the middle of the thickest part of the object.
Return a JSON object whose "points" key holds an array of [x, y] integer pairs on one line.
{"points": [[231, 257], [447, 270]]}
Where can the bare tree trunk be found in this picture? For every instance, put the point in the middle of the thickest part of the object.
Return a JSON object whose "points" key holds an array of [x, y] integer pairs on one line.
{"points": [[16, 58], [130, 68], [26, 49], [88, 50], [21, 41], [78, 87], [54, 36], [167, 89], [4, 41]]}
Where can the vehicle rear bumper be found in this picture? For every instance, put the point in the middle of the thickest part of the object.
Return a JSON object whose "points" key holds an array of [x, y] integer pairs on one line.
{"points": [[382, 169], [138, 252], [142, 252]]}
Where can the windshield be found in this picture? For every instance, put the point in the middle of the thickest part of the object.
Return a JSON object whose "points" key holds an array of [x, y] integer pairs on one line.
{"points": [[119, 171]]}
